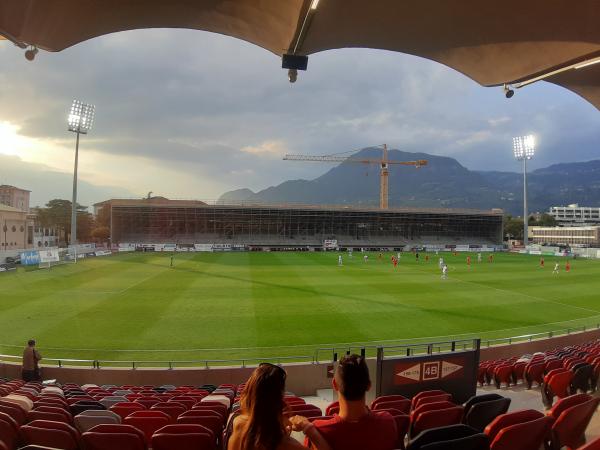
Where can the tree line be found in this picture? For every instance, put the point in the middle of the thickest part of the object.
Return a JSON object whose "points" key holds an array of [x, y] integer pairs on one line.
{"points": [[57, 215]]}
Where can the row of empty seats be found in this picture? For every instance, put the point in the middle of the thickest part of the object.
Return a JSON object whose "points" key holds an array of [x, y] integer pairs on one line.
{"points": [[559, 372]]}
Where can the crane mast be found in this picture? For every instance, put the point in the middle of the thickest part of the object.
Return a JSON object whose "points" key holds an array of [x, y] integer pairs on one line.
{"points": [[383, 163]]}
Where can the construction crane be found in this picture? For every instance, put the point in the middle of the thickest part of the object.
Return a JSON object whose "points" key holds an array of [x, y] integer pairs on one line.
{"points": [[384, 162]]}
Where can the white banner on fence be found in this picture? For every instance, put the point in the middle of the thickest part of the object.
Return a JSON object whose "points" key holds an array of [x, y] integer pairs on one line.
{"points": [[203, 247], [103, 252], [49, 255], [330, 243]]}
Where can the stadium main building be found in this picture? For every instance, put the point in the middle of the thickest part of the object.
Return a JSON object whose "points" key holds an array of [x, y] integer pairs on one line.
{"points": [[183, 222]]}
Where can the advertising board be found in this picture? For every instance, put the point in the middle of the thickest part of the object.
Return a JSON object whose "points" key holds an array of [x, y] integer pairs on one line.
{"points": [[30, 258], [49, 255], [453, 372]]}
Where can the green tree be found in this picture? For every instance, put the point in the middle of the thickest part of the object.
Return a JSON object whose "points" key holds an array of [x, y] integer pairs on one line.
{"points": [[101, 234], [514, 228], [546, 220], [57, 214]]}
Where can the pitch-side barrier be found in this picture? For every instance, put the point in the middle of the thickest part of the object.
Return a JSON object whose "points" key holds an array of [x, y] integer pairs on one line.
{"points": [[406, 349]]}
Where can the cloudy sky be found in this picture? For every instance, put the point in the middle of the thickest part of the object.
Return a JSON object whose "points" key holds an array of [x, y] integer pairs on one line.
{"points": [[189, 114]]}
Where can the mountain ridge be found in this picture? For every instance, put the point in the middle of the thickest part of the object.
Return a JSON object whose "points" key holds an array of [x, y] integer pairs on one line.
{"points": [[444, 182]]}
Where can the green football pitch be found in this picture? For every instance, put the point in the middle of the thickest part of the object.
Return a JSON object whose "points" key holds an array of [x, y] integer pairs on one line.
{"points": [[244, 305]]}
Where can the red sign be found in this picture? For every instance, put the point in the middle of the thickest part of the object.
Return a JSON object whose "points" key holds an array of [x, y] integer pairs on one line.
{"points": [[431, 370], [330, 371]]}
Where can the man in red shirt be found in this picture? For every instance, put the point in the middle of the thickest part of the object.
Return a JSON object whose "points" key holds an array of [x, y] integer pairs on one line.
{"points": [[356, 427]]}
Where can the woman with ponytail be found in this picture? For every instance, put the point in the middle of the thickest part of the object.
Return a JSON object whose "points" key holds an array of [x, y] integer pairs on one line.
{"points": [[261, 424]]}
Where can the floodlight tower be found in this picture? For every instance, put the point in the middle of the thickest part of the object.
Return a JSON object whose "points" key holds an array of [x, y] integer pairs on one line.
{"points": [[524, 149], [80, 121]]}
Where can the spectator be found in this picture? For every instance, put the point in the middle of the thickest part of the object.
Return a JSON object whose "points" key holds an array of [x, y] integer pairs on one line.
{"points": [[31, 358], [355, 427], [261, 424]]}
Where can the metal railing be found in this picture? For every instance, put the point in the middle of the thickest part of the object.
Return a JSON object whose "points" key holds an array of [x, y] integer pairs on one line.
{"points": [[319, 354]]}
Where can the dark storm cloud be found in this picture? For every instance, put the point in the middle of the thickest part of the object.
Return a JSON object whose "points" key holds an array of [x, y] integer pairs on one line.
{"points": [[223, 109]]}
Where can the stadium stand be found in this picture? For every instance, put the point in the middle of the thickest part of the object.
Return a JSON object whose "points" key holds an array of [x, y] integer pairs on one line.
{"points": [[89, 417]]}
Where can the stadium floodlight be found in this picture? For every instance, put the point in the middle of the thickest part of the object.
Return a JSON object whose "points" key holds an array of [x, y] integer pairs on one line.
{"points": [[81, 117], [80, 120], [524, 149]]}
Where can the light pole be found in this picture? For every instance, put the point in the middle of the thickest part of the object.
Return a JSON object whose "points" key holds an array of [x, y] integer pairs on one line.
{"points": [[524, 149], [80, 121]]}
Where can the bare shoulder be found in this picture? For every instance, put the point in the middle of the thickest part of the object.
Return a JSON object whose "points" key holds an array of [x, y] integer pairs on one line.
{"points": [[239, 422]]}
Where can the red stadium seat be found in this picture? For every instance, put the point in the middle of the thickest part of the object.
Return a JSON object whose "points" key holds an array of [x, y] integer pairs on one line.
{"points": [[558, 385], [569, 428], [386, 398], [553, 364], [402, 427], [481, 374], [334, 408], [567, 402], [518, 372], [147, 423], [147, 402], [431, 406], [114, 437], [305, 410], [57, 410], [291, 400], [422, 394], [503, 374], [522, 436], [203, 413], [172, 409], [51, 401], [188, 402], [183, 437], [534, 372], [44, 415], [435, 418], [50, 434], [429, 399], [221, 410], [400, 405], [123, 409], [9, 431], [14, 411], [213, 423], [593, 445]]}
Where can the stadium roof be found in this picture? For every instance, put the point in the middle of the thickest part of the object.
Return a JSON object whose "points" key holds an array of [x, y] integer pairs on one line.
{"points": [[491, 42], [140, 203], [8, 186]]}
